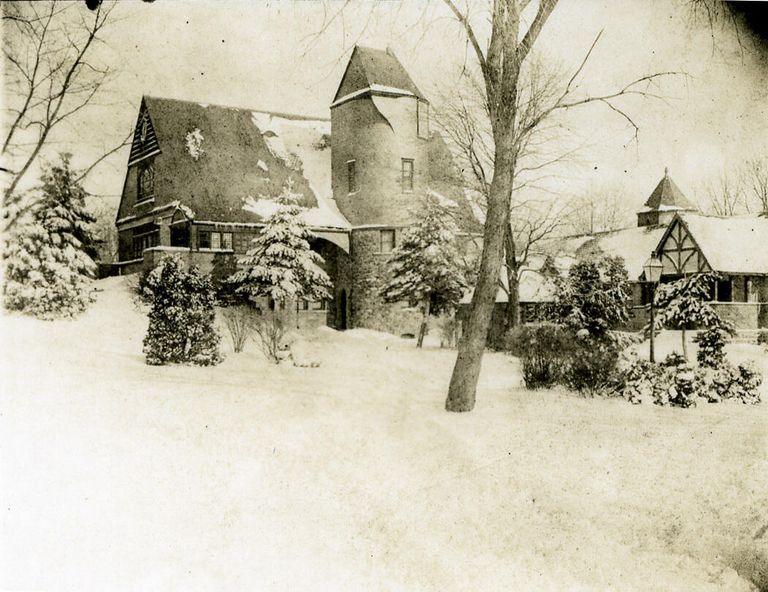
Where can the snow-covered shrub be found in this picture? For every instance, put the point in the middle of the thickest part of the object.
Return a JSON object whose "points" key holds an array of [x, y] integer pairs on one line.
{"points": [[426, 267], [240, 321], [592, 364], [674, 384], [672, 359], [595, 296], [727, 381], [48, 268], [542, 349], [181, 320], [762, 337], [712, 345], [194, 142]]}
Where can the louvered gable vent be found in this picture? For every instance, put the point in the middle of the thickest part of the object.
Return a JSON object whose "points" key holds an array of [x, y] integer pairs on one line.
{"points": [[144, 137]]}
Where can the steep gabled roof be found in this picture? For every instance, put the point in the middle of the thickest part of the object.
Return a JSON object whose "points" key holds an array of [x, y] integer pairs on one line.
{"points": [[736, 244], [375, 70], [667, 196], [244, 153]]}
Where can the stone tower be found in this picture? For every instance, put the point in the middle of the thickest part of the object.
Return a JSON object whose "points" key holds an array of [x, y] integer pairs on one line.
{"points": [[379, 140]]}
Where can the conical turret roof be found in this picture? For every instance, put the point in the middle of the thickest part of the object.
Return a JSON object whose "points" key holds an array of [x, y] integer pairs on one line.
{"points": [[667, 195]]}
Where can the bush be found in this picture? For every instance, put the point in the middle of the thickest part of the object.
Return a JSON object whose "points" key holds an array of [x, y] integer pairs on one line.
{"points": [[672, 383], [672, 360], [730, 382], [240, 322], [762, 337], [269, 329], [712, 342], [542, 350], [552, 354], [181, 320]]}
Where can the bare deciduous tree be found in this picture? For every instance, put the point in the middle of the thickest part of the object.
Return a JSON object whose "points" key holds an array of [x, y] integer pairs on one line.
{"points": [[516, 112], [50, 75], [598, 210], [755, 179]]}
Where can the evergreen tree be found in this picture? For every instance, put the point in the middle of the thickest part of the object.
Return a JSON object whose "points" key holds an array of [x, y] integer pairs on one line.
{"points": [[281, 265], [595, 296], [684, 303], [426, 266], [48, 264], [181, 320]]}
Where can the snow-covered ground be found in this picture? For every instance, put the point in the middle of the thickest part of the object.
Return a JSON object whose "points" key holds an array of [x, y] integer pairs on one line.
{"points": [[249, 476]]}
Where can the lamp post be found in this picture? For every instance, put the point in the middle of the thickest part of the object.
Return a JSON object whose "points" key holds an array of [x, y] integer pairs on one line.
{"points": [[652, 269]]}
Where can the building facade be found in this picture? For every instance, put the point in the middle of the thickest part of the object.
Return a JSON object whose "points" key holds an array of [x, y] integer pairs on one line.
{"points": [[201, 179]]}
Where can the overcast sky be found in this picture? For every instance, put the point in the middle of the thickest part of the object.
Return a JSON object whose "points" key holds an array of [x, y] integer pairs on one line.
{"points": [[267, 55]]}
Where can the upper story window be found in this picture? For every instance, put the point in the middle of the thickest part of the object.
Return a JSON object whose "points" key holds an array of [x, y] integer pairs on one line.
{"points": [[146, 182], [406, 174], [386, 241], [351, 176], [422, 119]]}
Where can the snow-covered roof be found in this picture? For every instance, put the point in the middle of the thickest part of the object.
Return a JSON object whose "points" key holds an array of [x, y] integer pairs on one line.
{"points": [[731, 245], [242, 153], [634, 245]]}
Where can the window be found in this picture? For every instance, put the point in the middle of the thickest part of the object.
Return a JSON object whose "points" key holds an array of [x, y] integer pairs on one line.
{"points": [[387, 241], [407, 174], [214, 240], [422, 119], [351, 176], [144, 241], [146, 182]]}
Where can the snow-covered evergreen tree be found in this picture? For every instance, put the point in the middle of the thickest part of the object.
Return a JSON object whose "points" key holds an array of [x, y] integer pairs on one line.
{"points": [[685, 303], [48, 269], [281, 265], [426, 266], [181, 321]]}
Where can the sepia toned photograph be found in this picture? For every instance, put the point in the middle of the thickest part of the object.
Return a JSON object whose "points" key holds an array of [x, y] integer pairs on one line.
{"points": [[384, 295]]}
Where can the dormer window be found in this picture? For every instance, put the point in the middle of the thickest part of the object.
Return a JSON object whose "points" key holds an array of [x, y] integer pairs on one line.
{"points": [[351, 176], [146, 182], [406, 174]]}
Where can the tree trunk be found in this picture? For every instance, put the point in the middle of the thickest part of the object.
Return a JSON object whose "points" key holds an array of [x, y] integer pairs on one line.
{"points": [[685, 345], [424, 320], [466, 372], [512, 312]]}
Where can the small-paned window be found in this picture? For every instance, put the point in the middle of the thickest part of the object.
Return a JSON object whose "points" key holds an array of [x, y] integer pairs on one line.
{"points": [[214, 240], [422, 119], [407, 174], [387, 241], [351, 176], [146, 182], [226, 240]]}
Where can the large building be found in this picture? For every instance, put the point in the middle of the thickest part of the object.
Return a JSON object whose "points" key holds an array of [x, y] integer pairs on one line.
{"points": [[686, 241], [201, 179]]}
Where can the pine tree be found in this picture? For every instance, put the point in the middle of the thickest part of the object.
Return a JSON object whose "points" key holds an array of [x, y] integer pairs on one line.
{"points": [[48, 264], [426, 266], [281, 265], [181, 321]]}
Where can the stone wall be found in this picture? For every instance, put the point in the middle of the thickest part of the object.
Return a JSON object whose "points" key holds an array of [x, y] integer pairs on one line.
{"points": [[368, 275], [743, 315]]}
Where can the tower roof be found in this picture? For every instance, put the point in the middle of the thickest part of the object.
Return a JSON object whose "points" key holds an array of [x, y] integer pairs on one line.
{"points": [[372, 69], [667, 195]]}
